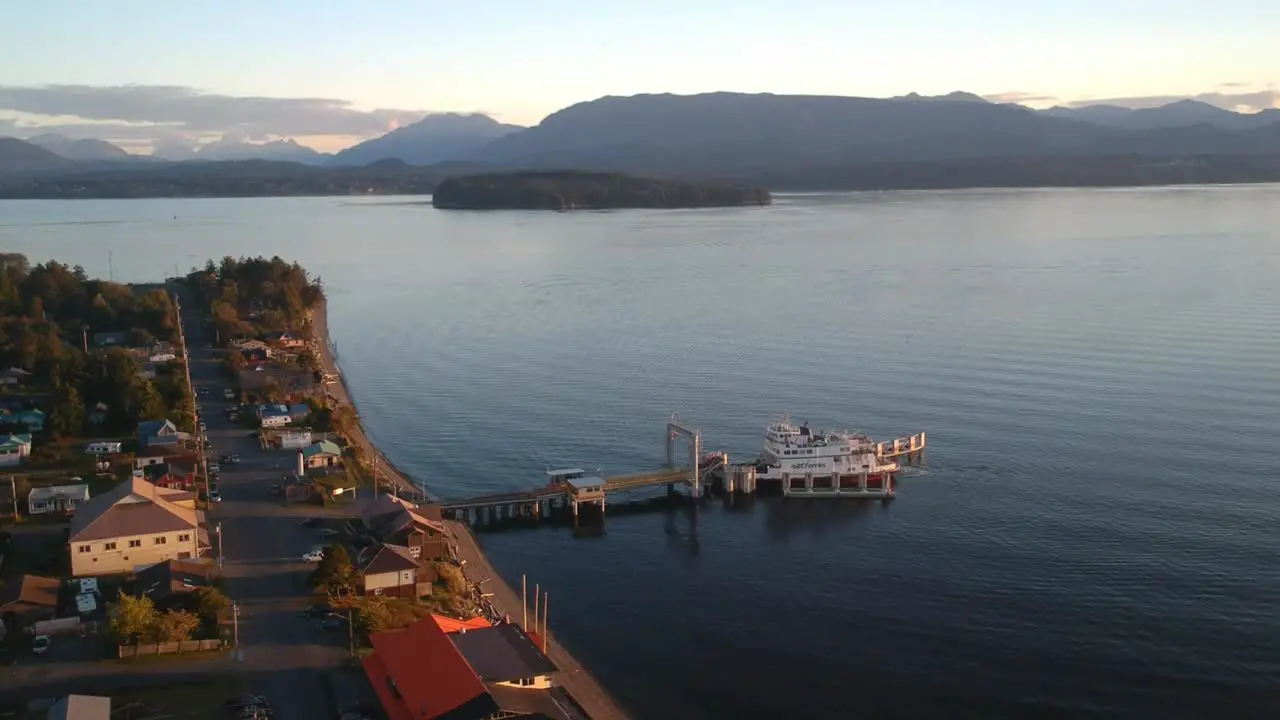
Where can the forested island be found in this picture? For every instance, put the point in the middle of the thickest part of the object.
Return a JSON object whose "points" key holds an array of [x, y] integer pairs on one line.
{"points": [[581, 190]]}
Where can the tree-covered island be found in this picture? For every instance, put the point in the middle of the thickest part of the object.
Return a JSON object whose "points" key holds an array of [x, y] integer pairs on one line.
{"points": [[581, 190]]}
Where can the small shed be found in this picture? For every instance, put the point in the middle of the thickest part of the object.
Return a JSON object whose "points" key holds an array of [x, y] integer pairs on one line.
{"points": [[81, 707]]}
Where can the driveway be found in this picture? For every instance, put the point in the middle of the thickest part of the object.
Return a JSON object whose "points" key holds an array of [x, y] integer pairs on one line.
{"points": [[281, 653]]}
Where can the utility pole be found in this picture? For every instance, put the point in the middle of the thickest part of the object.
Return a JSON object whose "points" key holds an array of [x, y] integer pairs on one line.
{"points": [[235, 624], [524, 605], [374, 472], [536, 592], [351, 634], [84, 336], [546, 600], [219, 526], [13, 489]]}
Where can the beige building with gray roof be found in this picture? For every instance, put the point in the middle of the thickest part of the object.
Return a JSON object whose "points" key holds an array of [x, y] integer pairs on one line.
{"points": [[134, 525]]}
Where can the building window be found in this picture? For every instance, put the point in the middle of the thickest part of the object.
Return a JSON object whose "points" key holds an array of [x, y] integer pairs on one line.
{"points": [[377, 591], [161, 540], [109, 546], [85, 548], [184, 537], [135, 543]]}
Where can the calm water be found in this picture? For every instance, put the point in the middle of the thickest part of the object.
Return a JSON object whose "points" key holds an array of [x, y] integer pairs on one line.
{"points": [[1098, 371]]}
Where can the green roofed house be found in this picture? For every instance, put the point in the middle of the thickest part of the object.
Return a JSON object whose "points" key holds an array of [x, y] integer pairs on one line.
{"points": [[13, 448], [324, 454]]}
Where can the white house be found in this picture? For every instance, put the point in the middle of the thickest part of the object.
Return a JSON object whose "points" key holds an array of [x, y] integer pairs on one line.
{"points": [[56, 498]]}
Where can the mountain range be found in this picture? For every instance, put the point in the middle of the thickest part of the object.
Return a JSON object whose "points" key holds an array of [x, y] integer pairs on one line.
{"points": [[756, 137]]}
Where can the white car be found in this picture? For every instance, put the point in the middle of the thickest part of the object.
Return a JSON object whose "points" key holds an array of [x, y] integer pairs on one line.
{"points": [[314, 556], [40, 644]]}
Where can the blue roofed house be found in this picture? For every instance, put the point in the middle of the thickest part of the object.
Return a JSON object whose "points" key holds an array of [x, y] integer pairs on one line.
{"points": [[324, 454], [155, 433], [299, 412], [13, 448], [32, 420]]}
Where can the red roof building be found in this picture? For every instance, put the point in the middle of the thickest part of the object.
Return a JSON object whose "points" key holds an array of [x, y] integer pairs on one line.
{"points": [[418, 674]]}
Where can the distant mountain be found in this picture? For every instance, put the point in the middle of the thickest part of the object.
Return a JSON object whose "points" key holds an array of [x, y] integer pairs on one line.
{"points": [[436, 138], [21, 156], [1183, 113], [715, 131], [226, 150], [733, 135], [72, 149], [957, 96]]}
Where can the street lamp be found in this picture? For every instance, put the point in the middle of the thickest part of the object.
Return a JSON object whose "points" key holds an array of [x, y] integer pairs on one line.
{"points": [[351, 635]]}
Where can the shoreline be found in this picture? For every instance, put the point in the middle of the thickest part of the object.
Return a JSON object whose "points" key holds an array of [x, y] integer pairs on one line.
{"points": [[592, 697]]}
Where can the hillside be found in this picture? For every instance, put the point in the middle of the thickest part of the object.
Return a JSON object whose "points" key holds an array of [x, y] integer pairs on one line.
{"points": [[435, 138], [731, 133], [575, 190], [21, 156]]}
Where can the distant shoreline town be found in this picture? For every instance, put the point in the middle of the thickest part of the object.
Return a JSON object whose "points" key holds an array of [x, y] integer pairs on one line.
{"points": [[780, 142]]}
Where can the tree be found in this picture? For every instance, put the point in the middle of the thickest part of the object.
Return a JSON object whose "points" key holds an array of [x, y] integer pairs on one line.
{"points": [[66, 416], [139, 337], [375, 617], [176, 626], [212, 602], [133, 617], [148, 401], [335, 574]]}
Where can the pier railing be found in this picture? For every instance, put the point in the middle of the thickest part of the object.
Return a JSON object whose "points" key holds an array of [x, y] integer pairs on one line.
{"points": [[902, 446]]}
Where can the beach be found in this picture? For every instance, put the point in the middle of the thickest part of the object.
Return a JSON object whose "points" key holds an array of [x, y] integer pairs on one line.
{"points": [[594, 700]]}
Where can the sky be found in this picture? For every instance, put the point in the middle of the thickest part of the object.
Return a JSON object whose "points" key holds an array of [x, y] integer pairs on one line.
{"points": [[333, 72]]}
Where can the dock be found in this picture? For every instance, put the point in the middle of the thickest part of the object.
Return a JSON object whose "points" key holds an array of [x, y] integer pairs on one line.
{"points": [[573, 491]]}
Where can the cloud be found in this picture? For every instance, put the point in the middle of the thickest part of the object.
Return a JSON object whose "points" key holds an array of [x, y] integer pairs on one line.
{"points": [[1246, 101], [159, 111], [1021, 98]]}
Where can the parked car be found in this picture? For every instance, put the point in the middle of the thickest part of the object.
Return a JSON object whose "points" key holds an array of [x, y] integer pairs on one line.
{"points": [[203, 427], [234, 459], [40, 644], [314, 556], [331, 623], [215, 496], [316, 611], [224, 457]]}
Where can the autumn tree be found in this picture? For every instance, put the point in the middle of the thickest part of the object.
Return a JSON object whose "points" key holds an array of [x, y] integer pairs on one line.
{"points": [[132, 617], [212, 603], [176, 626]]}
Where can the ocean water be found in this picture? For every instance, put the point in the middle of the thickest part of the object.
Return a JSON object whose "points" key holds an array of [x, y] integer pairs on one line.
{"points": [[1094, 531]]}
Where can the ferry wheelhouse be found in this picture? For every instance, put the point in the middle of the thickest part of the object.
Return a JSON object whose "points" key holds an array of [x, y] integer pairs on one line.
{"points": [[822, 463]]}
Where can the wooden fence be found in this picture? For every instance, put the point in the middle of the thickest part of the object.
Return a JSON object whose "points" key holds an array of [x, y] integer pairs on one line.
{"points": [[126, 651]]}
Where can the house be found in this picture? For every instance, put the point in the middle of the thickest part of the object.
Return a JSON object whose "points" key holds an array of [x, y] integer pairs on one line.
{"points": [[157, 433], [110, 339], [419, 528], [389, 570], [32, 419], [285, 340], [155, 455], [274, 415], [57, 498], [97, 414], [423, 673], [13, 377], [135, 524], [323, 454], [299, 412], [173, 579], [29, 599], [81, 707], [294, 439], [13, 448], [171, 474]]}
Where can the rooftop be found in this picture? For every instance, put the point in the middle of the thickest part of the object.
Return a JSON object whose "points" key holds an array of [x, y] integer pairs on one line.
{"points": [[418, 675], [502, 653], [173, 576], [324, 447], [385, 558], [134, 507], [71, 492], [31, 590]]}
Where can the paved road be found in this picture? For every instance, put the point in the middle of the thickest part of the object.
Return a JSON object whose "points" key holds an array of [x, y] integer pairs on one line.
{"points": [[280, 653]]}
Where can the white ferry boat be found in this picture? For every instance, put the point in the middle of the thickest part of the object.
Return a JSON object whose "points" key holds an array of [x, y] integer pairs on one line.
{"points": [[823, 464]]}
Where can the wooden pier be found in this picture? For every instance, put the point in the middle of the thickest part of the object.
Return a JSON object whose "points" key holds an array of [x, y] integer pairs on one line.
{"points": [[571, 490]]}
